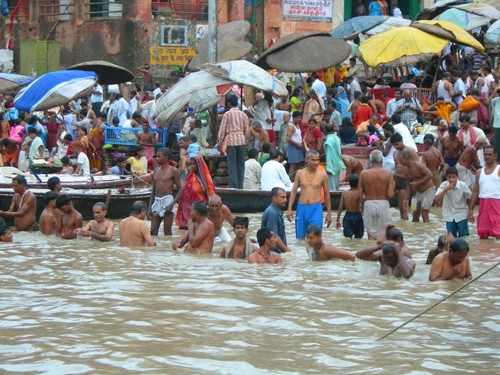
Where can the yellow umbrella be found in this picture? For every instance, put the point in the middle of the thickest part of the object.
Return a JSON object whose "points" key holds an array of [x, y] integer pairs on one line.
{"points": [[450, 31], [399, 46]]}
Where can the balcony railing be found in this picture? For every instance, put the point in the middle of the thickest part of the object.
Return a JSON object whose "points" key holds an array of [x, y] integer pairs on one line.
{"points": [[194, 9]]}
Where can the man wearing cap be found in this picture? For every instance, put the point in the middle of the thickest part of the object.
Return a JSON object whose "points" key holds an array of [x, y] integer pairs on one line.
{"points": [[232, 139]]}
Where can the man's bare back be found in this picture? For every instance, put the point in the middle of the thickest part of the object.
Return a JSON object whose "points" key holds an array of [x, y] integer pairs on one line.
{"points": [[376, 184], [201, 238], [469, 159], [135, 232], [353, 166], [433, 159], [443, 269]]}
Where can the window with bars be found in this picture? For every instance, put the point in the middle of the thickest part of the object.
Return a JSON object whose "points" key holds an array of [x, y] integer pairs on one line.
{"points": [[103, 8], [187, 9]]}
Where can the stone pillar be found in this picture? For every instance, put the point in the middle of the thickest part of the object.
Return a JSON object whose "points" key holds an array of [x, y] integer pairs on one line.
{"points": [[137, 10]]}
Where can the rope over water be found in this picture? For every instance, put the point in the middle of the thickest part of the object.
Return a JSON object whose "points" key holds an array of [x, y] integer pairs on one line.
{"points": [[437, 303]]}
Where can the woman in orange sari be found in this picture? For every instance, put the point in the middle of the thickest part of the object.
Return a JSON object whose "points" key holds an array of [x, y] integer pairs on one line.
{"points": [[198, 185], [96, 138]]}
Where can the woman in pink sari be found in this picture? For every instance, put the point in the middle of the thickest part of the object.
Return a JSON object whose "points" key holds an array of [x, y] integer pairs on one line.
{"points": [[198, 185]]}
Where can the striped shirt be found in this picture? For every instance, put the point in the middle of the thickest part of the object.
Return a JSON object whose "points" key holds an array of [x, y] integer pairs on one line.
{"points": [[234, 124]]}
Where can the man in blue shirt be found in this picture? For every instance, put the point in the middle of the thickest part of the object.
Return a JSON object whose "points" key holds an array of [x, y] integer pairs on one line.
{"points": [[273, 218], [119, 168]]}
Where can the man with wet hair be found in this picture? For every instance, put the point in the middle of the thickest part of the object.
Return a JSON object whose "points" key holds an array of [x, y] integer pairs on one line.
{"points": [[54, 184], [320, 251], [5, 233], [199, 238], [100, 228], [240, 247], [453, 264], [133, 230], [391, 257], [267, 242]]}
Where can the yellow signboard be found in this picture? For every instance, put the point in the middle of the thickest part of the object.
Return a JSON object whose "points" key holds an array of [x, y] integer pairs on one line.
{"points": [[170, 55]]}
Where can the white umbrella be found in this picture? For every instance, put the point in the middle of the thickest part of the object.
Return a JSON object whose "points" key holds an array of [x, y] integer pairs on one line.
{"points": [[200, 90], [246, 73]]}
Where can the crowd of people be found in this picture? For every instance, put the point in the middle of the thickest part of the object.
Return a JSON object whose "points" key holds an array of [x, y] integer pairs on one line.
{"points": [[288, 144]]}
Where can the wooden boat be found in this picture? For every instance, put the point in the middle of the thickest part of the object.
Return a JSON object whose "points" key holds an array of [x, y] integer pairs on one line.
{"points": [[118, 200], [39, 181]]}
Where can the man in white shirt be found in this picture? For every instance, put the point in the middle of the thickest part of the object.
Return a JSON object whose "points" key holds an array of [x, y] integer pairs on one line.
{"points": [[318, 86], [353, 86], [458, 88], [468, 133], [402, 129], [253, 171], [410, 82], [96, 98], [392, 104], [83, 163], [274, 173]]}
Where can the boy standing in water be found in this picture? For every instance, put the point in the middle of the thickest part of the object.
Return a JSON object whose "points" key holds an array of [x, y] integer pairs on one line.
{"points": [[353, 221], [452, 265], [71, 219]]}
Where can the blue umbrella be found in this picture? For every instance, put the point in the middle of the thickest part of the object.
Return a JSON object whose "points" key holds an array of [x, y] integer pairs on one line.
{"points": [[466, 20], [11, 82], [493, 33], [368, 25], [53, 89]]}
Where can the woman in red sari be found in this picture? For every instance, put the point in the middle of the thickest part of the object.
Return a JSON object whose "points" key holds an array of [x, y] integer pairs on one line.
{"points": [[198, 185]]}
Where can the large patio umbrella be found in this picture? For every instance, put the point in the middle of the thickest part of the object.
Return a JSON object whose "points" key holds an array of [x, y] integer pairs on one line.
{"points": [[10, 83], [437, 8], [53, 89], [246, 73], [109, 73], [200, 90], [399, 46], [493, 33], [466, 20], [449, 31], [370, 25], [302, 52], [480, 9]]}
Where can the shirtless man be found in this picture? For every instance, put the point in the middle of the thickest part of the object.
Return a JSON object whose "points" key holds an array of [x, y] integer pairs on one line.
{"points": [[320, 250], [352, 165], [468, 164], [217, 213], [49, 219], [241, 247], [432, 159], [400, 172], [310, 209], [378, 106], [267, 242], [388, 233], [259, 134], [100, 228], [199, 238], [392, 260], [453, 264], [419, 178], [133, 230], [162, 201], [452, 148], [71, 219], [23, 206], [375, 188], [54, 184]]}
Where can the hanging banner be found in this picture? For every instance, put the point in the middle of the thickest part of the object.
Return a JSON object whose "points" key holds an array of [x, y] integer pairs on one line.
{"points": [[307, 10]]}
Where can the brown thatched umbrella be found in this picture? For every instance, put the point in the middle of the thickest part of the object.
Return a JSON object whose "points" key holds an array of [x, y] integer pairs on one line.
{"points": [[227, 50], [301, 52], [109, 73]]}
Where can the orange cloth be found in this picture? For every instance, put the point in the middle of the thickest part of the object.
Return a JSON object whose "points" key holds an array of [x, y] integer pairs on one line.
{"points": [[469, 104], [198, 186]]}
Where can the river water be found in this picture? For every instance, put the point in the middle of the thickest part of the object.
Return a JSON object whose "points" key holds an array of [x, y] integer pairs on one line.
{"points": [[77, 307]]}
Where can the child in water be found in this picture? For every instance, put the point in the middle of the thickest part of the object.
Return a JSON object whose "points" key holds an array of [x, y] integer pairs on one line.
{"points": [[353, 221]]}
